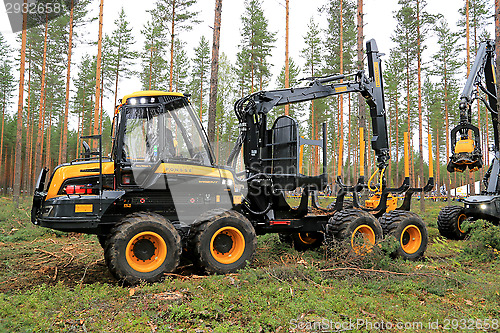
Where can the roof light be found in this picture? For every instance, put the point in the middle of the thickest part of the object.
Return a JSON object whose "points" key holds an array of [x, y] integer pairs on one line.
{"points": [[144, 100], [133, 101]]}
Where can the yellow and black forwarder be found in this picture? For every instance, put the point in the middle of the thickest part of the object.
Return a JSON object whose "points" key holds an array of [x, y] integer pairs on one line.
{"points": [[160, 192], [466, 148]]}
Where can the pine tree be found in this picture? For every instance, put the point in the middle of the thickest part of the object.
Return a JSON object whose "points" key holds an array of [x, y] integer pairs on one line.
{"points": [[294, 110], [121, 56], [17, 170], [360, 66], [63, 149], [181, 67], [392, 88], [176, 16], [446, 64], [312, 55], [153, 63], [201, 66], [226, 124], [256, 45], [340, 43], [7, 85], [214, 68], [407, 46], [98, 92], [423, 22]]}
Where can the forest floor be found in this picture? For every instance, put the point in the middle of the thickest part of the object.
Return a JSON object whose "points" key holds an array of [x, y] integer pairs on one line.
{"points": [[57, 282]]}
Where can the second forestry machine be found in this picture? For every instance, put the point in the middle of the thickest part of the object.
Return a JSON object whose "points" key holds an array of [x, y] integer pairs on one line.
{"points": [[160, 193], [466, 148]]}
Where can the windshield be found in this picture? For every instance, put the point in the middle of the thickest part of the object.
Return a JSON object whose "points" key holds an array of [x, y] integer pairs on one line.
{"points": [[163, 133]]}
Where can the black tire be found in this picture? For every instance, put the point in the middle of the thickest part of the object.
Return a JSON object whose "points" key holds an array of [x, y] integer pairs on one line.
{"points": [[224, 243], [410, 232], [142, 247], [347, 204], [304, 241], [285, 238], [102, 240], [449, 221], [350, 224]]}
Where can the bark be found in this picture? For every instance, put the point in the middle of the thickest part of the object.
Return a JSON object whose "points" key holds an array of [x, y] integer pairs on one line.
{"points": [[150, 67], [19, 132], [361, 100], [420, 130], [341, 97], [29, 134], [172, 46], [2, 163], [467, 43], [98, 92], [64, 147], [48, 161], [117, 72], [497, 54], [287, 64], [448, 186], [212, 104]]}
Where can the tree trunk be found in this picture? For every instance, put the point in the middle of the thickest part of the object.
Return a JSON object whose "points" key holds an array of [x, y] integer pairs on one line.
{"points": [[448, 186], [420, 129], [117, 72], [341, 97], [48, 160], [172, 47], [361, 100], [98, 78], [151, 66], [287, 63], [214, 72], [3, 170], [64, 147], [397, 139], [29, 136], [467, 46], [497, 54], [201, 91], [19, 132]]}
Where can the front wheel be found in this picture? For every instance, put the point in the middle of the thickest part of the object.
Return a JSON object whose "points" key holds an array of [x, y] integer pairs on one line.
{"points": [[410, 232], [224, 243], [142, 247]]}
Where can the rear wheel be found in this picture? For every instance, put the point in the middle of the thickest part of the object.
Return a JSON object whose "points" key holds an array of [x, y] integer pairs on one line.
{"points": [[102, 240], [224, 243], [410, 232], [359, 229], [347, 204], [142, 247], [285, 238], [449, 222], [304, 241]]}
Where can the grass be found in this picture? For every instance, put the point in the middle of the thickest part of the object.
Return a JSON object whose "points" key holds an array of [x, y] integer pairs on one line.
{"points": [[56, 282]]}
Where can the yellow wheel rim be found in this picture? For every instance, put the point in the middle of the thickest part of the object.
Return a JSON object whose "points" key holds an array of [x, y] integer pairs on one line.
{"points": [[306, 238], [227, 245], [362, 239], [461, 218], [411, 239], [146, 251]]}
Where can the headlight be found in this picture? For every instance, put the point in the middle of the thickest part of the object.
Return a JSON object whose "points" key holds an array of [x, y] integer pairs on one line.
{"points": [[483, 206]]}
